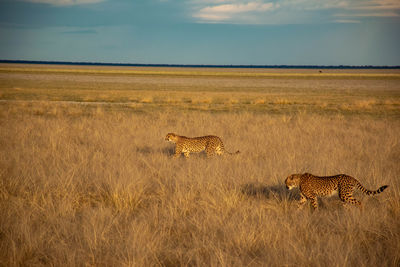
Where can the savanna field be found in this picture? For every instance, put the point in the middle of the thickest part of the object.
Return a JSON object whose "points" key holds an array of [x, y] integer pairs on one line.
{"points": [[87, 179]]}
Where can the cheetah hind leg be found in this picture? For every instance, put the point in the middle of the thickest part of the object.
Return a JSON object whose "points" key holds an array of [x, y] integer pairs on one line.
{"points": [[347, 198], [353, 201]]}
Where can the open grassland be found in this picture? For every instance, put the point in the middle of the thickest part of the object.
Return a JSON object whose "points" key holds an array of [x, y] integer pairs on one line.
{"points": [[92, 181], [261, 90]]}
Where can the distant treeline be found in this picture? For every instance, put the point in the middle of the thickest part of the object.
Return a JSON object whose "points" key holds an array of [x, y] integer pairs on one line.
{"points": [[201, 66]]}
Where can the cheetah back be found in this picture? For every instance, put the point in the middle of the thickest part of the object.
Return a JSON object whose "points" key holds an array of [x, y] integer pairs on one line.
{"points": [[312, 186], [211, 144]]}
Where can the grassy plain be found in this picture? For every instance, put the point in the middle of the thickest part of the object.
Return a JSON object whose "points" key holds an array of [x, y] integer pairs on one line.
{"points": [[86, 177], [332, 91]]}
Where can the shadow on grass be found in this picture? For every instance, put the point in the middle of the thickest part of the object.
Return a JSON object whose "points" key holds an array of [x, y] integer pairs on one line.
{"points": [[278, 192], [169, 151], [147, 150]]}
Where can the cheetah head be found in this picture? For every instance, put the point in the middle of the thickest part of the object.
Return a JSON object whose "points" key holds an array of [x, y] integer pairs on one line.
{"points": [[292, 181], [171, 137]]}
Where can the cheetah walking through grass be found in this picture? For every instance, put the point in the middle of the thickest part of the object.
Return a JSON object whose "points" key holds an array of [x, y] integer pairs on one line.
{"points": [[312, 186], [211, 144]]}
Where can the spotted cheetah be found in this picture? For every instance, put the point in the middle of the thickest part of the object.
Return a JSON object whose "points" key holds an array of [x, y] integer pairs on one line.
{"points": [[211, 144], [312, 186]]}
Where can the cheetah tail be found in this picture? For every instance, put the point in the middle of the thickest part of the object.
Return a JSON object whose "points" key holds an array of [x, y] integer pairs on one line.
{"points": [[230, 153], [368, 192]]}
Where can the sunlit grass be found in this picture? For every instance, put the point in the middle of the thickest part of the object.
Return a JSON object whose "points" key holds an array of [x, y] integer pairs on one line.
{"points": [[87, 179], [201, 72], [86, 184], [194, 92]]}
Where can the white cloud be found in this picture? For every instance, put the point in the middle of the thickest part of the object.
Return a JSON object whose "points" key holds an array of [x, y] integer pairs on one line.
{"points": [[347, 21], [210, 1], [229, 11], [291, 11], [64, 2], [369, 9], [368, 14], [375, 5]]}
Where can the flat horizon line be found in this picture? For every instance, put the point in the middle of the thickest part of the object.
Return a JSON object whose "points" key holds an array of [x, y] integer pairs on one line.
{"points": [[46, 62]]}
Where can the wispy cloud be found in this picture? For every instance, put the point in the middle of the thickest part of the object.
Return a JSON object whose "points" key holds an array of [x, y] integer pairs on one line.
{"points": [[229, 11], [368, 14], [64, 2], [347, 21], [374, 5], [291, 11], [371, 8]]}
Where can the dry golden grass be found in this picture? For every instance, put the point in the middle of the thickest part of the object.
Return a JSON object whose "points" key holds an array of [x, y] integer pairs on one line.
{"points": [[373, 92], [177, 71], [83, 186], [92, 182]]}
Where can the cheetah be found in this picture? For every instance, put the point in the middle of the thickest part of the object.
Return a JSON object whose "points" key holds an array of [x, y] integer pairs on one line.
{"points": [[211, 144], [312, 186]]}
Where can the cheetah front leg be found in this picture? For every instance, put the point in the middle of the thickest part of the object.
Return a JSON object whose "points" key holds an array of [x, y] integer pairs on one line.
{"points": [[178, 152], [314, 202], [302, 201], [210, 151]]}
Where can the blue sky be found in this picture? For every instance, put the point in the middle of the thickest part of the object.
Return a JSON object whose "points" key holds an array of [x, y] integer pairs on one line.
{"points": [[253, 32]]}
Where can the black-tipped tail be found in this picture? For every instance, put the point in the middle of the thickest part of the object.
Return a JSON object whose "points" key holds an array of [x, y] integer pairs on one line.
{"points": [[381, 189], [368, 192]]}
